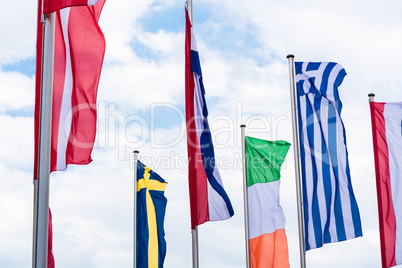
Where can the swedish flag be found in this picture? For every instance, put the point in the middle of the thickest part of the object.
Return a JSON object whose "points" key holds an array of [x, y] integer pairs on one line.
{"points": [[151, 208]]}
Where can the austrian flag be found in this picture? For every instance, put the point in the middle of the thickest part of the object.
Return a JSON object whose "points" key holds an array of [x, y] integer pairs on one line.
{"points": [[386, 119], [78, 57]]}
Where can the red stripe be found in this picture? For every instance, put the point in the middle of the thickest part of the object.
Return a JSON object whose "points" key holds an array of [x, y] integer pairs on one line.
{"points": [[52, 5], [386, 212], [196, 173], [87, 45]]}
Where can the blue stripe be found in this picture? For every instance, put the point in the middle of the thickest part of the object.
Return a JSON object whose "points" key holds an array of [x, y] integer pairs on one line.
{"points": [[206, 145], [353, 203], [195, 63], [208, 159], [325, 176], [312, 66], [333, 150], [315, 201], [160, 203], [324, 79], [142, 229], [337, 82]]}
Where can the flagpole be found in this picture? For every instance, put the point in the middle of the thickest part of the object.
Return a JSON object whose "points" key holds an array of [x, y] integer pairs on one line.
{"points": [[194, 232], [135, 210], [371, 97], [245, 196], [41, 186], [35, 223], [296, 148], [194, 237]]}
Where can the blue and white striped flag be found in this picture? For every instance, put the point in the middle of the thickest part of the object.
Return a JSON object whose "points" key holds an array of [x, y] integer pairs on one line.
{"points": [[330, 209]]}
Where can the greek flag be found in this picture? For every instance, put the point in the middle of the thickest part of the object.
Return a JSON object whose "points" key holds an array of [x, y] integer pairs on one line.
{"points": [[330, 208]]}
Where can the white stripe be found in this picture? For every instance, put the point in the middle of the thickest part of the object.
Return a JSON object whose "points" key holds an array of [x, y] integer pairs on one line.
{"points": [[318, 162], [216, 205], [193, 43], [264, 211], [309, 175], [331, 81], [325, 116], [198, 107], [65, 111], [318, 75], [92, 2], [343, 181], [393, 117]]}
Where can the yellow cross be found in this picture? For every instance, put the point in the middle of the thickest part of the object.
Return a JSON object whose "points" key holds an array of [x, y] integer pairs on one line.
{"points": [[155, 185]]}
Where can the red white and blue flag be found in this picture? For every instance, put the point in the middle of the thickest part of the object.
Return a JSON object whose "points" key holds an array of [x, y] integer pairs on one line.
{"points": [[386, 119], [208, 199], [78, 57]]}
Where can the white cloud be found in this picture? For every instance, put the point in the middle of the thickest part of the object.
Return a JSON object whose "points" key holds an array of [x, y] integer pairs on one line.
{"points": [[16, 91], [18, 31]]}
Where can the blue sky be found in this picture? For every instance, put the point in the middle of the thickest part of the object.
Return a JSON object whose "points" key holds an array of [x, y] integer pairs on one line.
{"points": [[243, 47]]}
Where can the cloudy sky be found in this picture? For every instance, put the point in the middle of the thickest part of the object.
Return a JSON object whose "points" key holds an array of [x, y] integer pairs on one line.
{"points": [[243, 47]]}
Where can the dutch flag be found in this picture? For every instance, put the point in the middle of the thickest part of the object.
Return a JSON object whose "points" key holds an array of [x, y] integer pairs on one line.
{"points": [[208, 199]]}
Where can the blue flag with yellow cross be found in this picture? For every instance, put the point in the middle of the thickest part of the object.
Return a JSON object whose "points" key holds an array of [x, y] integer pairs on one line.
{"points": [[151, 208]]}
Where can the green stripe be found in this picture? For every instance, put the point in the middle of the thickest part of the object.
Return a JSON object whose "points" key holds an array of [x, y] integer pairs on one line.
{"points": [[264, 159]]}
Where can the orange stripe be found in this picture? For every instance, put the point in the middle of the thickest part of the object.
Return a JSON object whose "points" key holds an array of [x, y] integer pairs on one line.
{"points": [[270, 250]]}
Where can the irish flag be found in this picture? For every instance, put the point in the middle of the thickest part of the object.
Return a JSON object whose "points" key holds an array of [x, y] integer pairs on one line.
{"points": [[268, 242], [386, 119]]}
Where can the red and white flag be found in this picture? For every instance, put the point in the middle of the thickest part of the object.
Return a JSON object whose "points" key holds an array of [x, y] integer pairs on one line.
{"points": [[54, 5], [78, 58], [386, 119]]}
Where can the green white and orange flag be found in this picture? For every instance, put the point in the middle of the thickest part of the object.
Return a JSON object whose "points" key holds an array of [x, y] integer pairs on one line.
{"points": [[268, 242]]}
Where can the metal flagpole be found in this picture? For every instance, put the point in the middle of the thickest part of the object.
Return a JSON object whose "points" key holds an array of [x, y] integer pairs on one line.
{"points": [[41, 186], [135, 209], [35, 223], [371, 97], [194, 236], [295, 125], [194, 232], [243, 145]]}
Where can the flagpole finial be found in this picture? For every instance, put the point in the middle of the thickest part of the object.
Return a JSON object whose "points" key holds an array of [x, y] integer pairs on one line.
{"points": [[290, 56], [371, 96], [242, 125], [136, 151]]}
